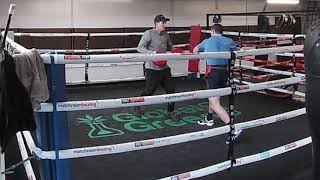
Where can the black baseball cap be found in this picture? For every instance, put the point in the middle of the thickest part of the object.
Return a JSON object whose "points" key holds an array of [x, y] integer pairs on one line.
{"points": [[161, 17]]}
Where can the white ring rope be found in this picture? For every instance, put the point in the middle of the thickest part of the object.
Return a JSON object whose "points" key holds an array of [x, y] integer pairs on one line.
{"points": [[152, 143], [17, 46], [143, 78], [241, 161], [165, 98], [274, 72], [300, 55], [287, 73], [173, 75], [96, 50], [24, 154], [264, 35], [139, 33], [120, 80], [91, 34], [277, 89], [138, 57]]}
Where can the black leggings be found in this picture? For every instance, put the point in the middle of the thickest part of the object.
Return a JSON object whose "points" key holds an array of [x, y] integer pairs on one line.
{"points": [[156, 77]]}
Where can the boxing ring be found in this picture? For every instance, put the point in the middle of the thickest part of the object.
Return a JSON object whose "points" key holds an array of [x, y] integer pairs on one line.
{"points": [[55, 107], [55, 57]]}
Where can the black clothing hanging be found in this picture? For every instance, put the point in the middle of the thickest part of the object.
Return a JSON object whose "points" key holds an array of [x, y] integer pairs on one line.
{"points": [[16, 112]]}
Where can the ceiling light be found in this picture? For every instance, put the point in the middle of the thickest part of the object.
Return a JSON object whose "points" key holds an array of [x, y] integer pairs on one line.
{"points": [[283, 1]]}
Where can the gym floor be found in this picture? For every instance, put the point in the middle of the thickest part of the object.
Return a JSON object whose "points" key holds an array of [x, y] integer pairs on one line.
{"points": [[120, 125]]}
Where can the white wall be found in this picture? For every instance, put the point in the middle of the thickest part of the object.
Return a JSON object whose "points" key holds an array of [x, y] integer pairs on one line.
{"points": [[37, 13], [125, 13]]}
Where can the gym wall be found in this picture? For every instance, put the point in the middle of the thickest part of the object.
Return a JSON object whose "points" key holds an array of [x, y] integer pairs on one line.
{"points": [[120, 16], [124, 13]]}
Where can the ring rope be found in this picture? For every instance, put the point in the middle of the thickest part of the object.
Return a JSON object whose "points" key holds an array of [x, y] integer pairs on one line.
{"points": [[24, 154], [165, 98], [242, 161], [92, 34], [268, 62], [25, 160], [264, 40], [258, 34], [171, 32], [112, 50], [158, 142], [300, 55], [272, 71], [138, 57], [301, 94]]}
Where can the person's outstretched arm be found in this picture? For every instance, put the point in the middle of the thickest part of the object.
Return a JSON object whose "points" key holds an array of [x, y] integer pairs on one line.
{"points": [[199, 47], [234, 47]]}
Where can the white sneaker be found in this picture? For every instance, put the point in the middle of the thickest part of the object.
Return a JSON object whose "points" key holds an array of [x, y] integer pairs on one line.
{"points": [[236, 135], [205, 121]]}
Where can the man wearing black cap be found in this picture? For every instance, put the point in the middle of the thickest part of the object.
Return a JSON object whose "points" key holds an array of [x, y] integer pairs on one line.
{"points": [[156, 40]]}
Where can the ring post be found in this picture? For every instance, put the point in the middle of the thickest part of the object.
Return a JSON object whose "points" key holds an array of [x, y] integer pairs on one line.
{"points": [[53, 131]]}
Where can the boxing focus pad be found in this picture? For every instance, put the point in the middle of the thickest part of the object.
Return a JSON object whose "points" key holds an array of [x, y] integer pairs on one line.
{"points": [[160, 62]]}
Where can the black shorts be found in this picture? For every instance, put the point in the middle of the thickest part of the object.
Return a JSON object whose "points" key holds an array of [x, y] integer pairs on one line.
{"points": [[217, 78]]}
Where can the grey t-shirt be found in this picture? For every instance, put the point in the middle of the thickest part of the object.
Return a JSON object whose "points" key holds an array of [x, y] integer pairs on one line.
{"points": [[154, 41]]}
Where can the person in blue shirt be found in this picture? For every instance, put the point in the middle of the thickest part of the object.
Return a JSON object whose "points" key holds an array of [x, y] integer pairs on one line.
{"points": [[218, 74]]}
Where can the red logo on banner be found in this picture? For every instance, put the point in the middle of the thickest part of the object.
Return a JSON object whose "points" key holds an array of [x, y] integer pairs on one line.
{"points": [[132, 100], [76, 57], [181, 176], [127, 56], [281, 118], [144, 143], [290, 146], [243, 87], [187, 53]]}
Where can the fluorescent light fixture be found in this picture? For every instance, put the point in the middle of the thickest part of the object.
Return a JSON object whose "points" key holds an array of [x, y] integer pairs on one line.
{"points": [[283, 1]]}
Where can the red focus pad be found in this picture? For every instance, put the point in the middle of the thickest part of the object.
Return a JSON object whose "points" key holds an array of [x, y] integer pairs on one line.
{"points": [[208, 70], [160, 62]]}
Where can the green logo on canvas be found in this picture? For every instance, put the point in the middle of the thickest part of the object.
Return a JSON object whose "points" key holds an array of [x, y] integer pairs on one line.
{"points": [[152, 120], [98, 128]]}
